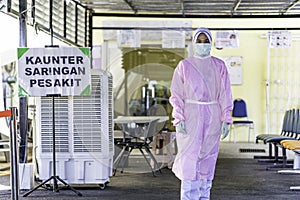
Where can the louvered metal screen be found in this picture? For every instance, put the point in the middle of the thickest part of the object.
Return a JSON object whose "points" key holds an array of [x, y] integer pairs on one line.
{"points": [[70, 19], [58, 16], [42, 12]]}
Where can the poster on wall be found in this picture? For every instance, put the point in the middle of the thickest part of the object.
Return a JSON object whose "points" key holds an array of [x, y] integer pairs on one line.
{"points": [[129, 38], [280, 39], [173, 39], [234, 67], [227, 39], [54, 71]]}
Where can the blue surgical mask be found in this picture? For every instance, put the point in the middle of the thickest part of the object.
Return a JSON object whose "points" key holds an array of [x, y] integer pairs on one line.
{"points": [[202, 49]]}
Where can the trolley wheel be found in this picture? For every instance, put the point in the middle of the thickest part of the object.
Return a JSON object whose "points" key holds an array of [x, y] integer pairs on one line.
{"points": [[103, 185]]}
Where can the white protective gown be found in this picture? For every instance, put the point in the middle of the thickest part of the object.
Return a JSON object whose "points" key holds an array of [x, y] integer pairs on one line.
{"points": [[203, 80]]}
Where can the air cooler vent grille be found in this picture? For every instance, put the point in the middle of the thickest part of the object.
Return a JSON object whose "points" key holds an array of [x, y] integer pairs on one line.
{"points": [[110, 113], [87, 119], [83, 124], [61, 124]]}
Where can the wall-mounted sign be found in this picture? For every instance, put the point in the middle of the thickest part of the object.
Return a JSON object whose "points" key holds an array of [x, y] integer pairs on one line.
{"points": [[227, 39], [234, 67], [54, 71], [280, 39], [129, 38], [173, 39]]}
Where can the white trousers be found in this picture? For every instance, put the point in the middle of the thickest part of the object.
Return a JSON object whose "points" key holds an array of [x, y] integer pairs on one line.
{"points": [[195, 189]]}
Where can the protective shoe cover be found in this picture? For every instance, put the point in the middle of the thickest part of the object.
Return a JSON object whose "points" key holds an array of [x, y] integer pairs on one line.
{"points": [[190, 190], [195, 189], [205, 80], [205, 189]]}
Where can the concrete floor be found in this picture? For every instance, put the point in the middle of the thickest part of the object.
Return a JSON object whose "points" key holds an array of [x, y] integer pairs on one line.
{"points": [[238, 177]]}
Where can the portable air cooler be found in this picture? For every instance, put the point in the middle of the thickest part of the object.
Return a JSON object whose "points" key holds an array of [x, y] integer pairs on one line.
{"points": [[83, 132]]}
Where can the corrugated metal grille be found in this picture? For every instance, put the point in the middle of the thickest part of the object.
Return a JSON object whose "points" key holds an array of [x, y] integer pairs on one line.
{"points": [[61, 124], [87, 119], [196, 7], [252, 151]]}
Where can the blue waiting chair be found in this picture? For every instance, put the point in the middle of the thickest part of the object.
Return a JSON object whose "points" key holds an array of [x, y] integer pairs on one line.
{"points": [[240, 118]]}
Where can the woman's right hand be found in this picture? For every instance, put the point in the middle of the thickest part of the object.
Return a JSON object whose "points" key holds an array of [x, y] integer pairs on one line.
{"points": [[180, 127]]}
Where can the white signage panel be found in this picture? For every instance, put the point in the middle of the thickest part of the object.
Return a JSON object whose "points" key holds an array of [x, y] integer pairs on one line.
{"points": [[234, 67], [54, 71], [280, 39], [227, 39]]}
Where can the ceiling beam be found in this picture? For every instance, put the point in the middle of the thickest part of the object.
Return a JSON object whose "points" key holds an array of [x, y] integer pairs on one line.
{"points": [[289, 7], [97, 14], [182, 7], [131, 6], [236, 5], [191, 29]]}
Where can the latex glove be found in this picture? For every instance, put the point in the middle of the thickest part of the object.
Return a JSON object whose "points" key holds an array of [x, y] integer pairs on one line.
{"points": [[180, 127], [225, 130]]}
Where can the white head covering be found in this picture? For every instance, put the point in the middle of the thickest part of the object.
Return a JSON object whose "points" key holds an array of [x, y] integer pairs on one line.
{"points": [[206, 31]]}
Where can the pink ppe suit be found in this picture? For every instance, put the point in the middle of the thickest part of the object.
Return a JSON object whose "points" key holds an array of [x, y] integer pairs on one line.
{"points": [[206, 81]]}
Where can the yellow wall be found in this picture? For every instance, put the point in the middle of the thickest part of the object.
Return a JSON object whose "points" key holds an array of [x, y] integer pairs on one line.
{"points": [[253, 49]]}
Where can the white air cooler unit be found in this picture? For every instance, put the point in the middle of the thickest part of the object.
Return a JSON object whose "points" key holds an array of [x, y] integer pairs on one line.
{"points": [[83, 132]]}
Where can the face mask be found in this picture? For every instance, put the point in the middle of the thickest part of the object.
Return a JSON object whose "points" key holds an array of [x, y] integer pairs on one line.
{"points": [[202, 49]]}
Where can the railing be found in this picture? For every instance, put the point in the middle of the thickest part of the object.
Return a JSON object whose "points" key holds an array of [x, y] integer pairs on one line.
{"points": [[14, 179]]}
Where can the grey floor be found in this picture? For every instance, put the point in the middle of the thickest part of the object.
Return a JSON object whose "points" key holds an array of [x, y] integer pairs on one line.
{"points": [[238, 177]]}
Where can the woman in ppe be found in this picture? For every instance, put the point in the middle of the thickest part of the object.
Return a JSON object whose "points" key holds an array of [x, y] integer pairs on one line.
{"points": [[202, 102]]}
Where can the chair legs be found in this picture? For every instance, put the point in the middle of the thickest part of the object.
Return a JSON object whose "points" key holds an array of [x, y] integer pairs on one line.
{"points": [[232, 130], [296, 166], [118, 160], [284, 160], [125, 150], [295, 170], [270, 158], [153, 158]]}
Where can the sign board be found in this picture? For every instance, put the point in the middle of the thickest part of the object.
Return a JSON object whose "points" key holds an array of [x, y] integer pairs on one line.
{"points": [[280, 39], [227, 39], [234, 67], [50, 71], [129, 38], [173, 39]]}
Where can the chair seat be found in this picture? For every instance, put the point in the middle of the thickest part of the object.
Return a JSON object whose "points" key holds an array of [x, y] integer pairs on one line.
{"points": [[279, 138], [291, 144], [243, 122], [264, 136]]}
